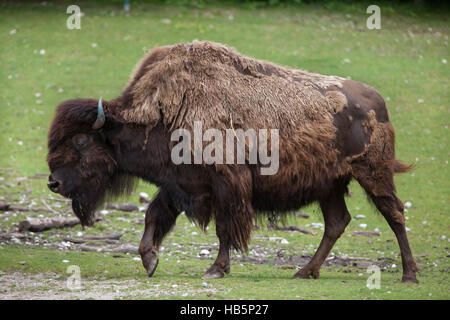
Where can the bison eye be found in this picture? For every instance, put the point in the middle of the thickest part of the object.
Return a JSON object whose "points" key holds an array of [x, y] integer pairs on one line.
{"points": [[80, 141]]}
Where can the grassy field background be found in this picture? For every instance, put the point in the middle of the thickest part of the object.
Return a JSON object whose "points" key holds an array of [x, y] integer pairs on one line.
{"points": [[43, 63]]}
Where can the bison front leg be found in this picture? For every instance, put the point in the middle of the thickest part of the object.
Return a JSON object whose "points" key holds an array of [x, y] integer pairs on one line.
{"points": [[222, 263], [159, 219], [234, 216], [233, 230]]}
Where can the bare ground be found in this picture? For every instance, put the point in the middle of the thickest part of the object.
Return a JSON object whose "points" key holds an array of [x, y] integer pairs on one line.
{"points": [[51, 286]]}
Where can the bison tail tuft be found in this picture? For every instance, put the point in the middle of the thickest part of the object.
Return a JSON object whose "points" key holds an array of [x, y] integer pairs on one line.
{"points": [[400, 167]]}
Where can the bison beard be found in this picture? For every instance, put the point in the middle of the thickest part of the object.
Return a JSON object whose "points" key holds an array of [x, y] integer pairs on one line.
{"points": [[84, 212], [85, 203], [332, 130]]}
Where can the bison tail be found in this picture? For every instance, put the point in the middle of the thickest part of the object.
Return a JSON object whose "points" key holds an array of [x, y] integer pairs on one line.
{"points": [[400, 167]]}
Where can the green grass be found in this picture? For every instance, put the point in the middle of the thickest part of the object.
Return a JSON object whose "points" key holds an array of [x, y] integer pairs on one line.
{"points": [[403, 60]]}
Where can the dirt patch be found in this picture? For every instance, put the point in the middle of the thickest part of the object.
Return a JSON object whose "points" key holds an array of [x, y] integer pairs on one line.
{"points": [[51, 286]]}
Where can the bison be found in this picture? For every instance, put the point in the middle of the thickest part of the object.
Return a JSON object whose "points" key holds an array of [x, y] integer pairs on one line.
{"points": [[331, 130]]}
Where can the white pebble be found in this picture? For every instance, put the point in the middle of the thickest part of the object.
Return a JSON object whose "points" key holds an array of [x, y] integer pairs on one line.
{"points": [[360, 216], [65, 261], [204, 284], [408, 204], [363, 225], [42, 52], [143, 194], [316, 225]]}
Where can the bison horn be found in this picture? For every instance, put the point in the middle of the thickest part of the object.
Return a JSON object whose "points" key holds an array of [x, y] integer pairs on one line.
{"points": [[100, 121]]}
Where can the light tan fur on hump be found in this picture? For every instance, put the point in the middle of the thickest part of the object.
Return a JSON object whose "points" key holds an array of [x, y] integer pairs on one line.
{"points": [[209, 82]]}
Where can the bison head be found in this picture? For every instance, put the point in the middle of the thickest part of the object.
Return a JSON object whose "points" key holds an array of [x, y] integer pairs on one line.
{"points": [[81, 161]]}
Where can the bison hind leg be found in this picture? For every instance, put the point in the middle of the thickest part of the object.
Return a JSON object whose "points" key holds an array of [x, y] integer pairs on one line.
{"points": [[378, 182]]}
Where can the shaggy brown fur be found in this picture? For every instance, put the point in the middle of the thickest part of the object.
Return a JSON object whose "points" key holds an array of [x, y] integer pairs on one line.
{"points": [[331, 130]]}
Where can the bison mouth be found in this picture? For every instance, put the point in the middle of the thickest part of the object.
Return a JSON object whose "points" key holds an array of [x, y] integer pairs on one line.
{"points": [[84, 211]]}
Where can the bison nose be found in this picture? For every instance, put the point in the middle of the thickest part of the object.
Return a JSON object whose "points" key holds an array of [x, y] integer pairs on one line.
{"points": [[53, 185]]}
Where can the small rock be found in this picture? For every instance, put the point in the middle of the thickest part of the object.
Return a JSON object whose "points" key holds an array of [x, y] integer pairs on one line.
{"points": [[42, 52], [274, 238], [363, 225], [166, 21], [360, 216], [144, 197], [204, 252], [65, 261], [22, 262], [204, 284], [408, 204]]}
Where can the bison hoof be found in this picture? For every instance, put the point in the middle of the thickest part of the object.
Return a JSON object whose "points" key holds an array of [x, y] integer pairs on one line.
{"points": [[216, 272], [150, 262], [409, 279], [306, 274]]}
